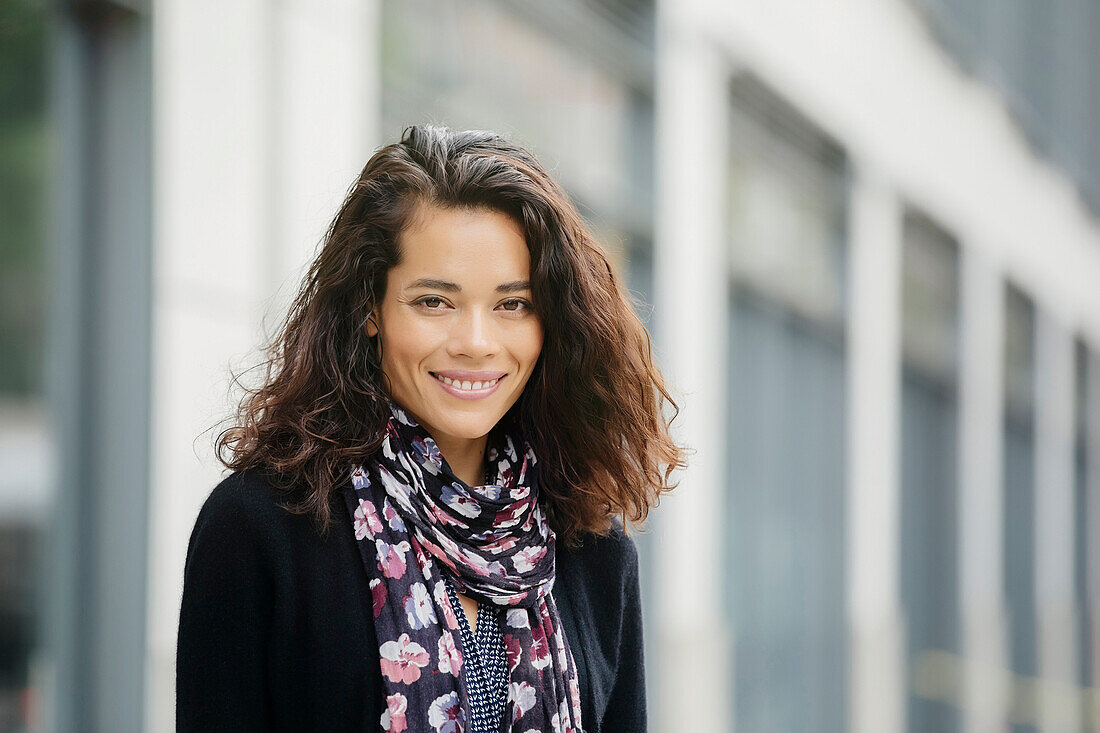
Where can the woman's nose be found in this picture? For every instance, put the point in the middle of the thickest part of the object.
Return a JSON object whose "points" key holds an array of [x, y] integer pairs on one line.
{"points": [[474, 334]]}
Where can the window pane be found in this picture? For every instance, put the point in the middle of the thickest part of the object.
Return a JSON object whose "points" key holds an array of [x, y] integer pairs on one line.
{"points": [[1082, 545], [489, 65], [929, 493], [1019, 493], [785, 514]]}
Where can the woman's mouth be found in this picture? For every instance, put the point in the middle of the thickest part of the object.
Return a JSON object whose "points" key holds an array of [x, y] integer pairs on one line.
{"points": [[468, 389]]}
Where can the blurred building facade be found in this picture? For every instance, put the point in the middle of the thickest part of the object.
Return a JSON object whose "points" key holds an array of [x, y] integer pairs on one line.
{"points": [[904, 498], [865, 236]]}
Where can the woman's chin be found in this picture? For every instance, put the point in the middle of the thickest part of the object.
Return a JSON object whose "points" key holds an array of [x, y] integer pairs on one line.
{"points": [[449, 424], [474, 429]]}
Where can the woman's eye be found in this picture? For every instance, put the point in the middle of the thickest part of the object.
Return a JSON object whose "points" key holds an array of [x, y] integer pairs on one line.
{"points": [[431, 302], [515, 304]]}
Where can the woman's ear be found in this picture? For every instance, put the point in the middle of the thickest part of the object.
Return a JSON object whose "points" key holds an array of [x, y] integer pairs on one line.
{"points": [[372, 325]]}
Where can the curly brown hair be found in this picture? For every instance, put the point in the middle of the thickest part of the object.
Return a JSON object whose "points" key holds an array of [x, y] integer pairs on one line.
{"points": [[594, 404]]}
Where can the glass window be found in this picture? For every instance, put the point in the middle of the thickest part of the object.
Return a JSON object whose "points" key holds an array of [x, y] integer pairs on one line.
{"points": [[929, 489], [1019, 493], [785, 556], [520, 71], [1083, 544], [785, 207], [1042, 57]]}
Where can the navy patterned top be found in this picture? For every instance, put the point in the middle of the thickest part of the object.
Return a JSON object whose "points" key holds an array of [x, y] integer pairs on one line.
{"points": [[485, 664]]}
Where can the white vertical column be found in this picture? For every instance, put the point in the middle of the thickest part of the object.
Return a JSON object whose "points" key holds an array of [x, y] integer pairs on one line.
{"points": [[874, 394], [240, 206], [691, 312], [981, 497], [209, 209], [1054, 526], [325, 124]]}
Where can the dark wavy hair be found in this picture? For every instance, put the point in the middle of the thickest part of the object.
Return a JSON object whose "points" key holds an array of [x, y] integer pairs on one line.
{"points": [[594, 404]]}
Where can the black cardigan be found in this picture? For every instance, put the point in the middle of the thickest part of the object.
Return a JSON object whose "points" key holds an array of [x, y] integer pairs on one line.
{"points": [[276, 630]]}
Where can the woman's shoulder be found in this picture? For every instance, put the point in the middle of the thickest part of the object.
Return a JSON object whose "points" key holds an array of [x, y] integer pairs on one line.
{"points": [[245, 506], [252, 488], [244, 494], [601, 558], [616, 541]]}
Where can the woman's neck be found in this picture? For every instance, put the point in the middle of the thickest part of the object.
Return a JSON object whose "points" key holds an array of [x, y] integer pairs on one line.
{"points": [[466, 457]]}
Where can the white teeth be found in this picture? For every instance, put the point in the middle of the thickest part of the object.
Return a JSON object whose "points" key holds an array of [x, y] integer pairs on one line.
{"points": [[467, 385]]}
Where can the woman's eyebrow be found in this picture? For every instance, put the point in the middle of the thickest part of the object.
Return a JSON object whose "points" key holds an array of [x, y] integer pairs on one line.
{"points": [[514, 286], [450, 287], [433, 284]]}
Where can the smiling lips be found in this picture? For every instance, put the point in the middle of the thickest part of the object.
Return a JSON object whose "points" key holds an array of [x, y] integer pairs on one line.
{"points": [[468, 385]]}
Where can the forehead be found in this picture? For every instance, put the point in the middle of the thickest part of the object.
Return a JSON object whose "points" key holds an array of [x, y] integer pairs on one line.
{"points": [[476, 245]]}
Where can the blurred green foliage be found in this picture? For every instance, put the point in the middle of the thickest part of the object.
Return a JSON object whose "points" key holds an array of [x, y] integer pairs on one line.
{"points": [[24, 160]]}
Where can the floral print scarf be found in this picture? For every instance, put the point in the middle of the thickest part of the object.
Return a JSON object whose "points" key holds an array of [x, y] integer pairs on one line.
{"points": [[417, 523]]}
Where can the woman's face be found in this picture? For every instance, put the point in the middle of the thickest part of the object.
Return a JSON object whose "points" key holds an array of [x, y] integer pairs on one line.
{"points": [[459, 335]]}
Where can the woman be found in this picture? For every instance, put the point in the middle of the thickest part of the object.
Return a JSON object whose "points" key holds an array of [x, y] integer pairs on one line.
{"points": [[424, 527]]}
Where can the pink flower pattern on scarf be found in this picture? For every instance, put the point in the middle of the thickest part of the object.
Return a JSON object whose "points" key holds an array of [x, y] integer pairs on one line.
{"points": [[495, 544]]}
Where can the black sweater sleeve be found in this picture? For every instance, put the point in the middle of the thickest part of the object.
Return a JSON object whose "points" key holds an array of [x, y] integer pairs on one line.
{"points": [[626, 707], [599, 598], [224, 622]]}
